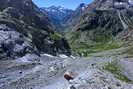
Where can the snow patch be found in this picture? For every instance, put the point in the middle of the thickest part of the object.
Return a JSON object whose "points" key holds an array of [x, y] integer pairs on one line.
{"points": [[73, 57], [48, 55], [63, 56]]}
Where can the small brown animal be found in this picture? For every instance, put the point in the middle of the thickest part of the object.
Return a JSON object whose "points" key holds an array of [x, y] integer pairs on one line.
{"points": [[68, 77]]}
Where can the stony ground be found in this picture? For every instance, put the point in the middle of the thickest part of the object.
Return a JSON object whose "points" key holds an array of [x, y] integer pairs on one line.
{"points": [[47, 72]]}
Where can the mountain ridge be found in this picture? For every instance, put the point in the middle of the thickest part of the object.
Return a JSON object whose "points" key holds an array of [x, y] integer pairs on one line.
{"points": [[33, 55], [101, 22], [57, 15]]}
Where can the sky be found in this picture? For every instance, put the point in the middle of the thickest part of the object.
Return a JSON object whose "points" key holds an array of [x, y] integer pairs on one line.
{"points": [[70, 4]]}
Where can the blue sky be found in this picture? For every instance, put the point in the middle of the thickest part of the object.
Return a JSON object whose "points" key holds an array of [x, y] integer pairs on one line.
{"points": [[71, 4]]}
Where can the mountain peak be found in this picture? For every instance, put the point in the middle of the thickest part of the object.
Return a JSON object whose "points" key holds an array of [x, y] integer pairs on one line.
{"points": [[56, 7], [82, 4]]}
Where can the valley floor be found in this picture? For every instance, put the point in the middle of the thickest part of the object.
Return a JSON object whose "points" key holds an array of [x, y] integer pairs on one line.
{"points": [[94, 72]]}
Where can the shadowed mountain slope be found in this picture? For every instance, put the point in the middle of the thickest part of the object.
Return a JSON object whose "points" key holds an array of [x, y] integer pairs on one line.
{"points": [[24, 17]]}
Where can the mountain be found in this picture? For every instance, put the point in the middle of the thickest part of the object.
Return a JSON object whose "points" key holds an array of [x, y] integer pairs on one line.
{"points": [[28, 43], [57, 15], [101, 22], [25, 29], [71, 20]]}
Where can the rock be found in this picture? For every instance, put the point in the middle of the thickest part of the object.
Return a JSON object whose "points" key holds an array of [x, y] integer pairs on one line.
{"points": [[98, 79], [72, 87], [127, 65], [12, 43], [20, 72], [22, 19], [29, 58]]}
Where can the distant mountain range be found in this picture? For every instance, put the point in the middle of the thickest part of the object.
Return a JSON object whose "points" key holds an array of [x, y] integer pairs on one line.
{"points": [[64, 18], [57, 14]]}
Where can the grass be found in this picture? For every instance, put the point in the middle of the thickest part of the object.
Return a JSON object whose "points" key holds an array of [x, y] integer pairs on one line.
{"points": [[114, 68], [107, 46], [56, 36], [98, 40], [129, 56], [84, 49]]}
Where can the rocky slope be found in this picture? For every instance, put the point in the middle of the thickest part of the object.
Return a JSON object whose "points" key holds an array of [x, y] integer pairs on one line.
{"points": [[46, 72], [101, 22], [24, 29], [22, 39], [57, 15], [73, 19]]}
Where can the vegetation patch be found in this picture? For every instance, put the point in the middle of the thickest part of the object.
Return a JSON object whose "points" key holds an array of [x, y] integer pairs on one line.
{"points": [[107, 46], [98, 40], [115, 69], [84, 49], [56, 36]]}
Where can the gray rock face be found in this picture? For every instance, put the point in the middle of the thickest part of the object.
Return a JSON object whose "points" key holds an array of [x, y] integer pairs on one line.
{"points": [[24, 17], [110, 4], [12, 43], [127, 65]]}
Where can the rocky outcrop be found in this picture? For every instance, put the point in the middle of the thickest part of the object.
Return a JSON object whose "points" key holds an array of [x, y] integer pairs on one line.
{"points": [[12, 43], [24, 27]]}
